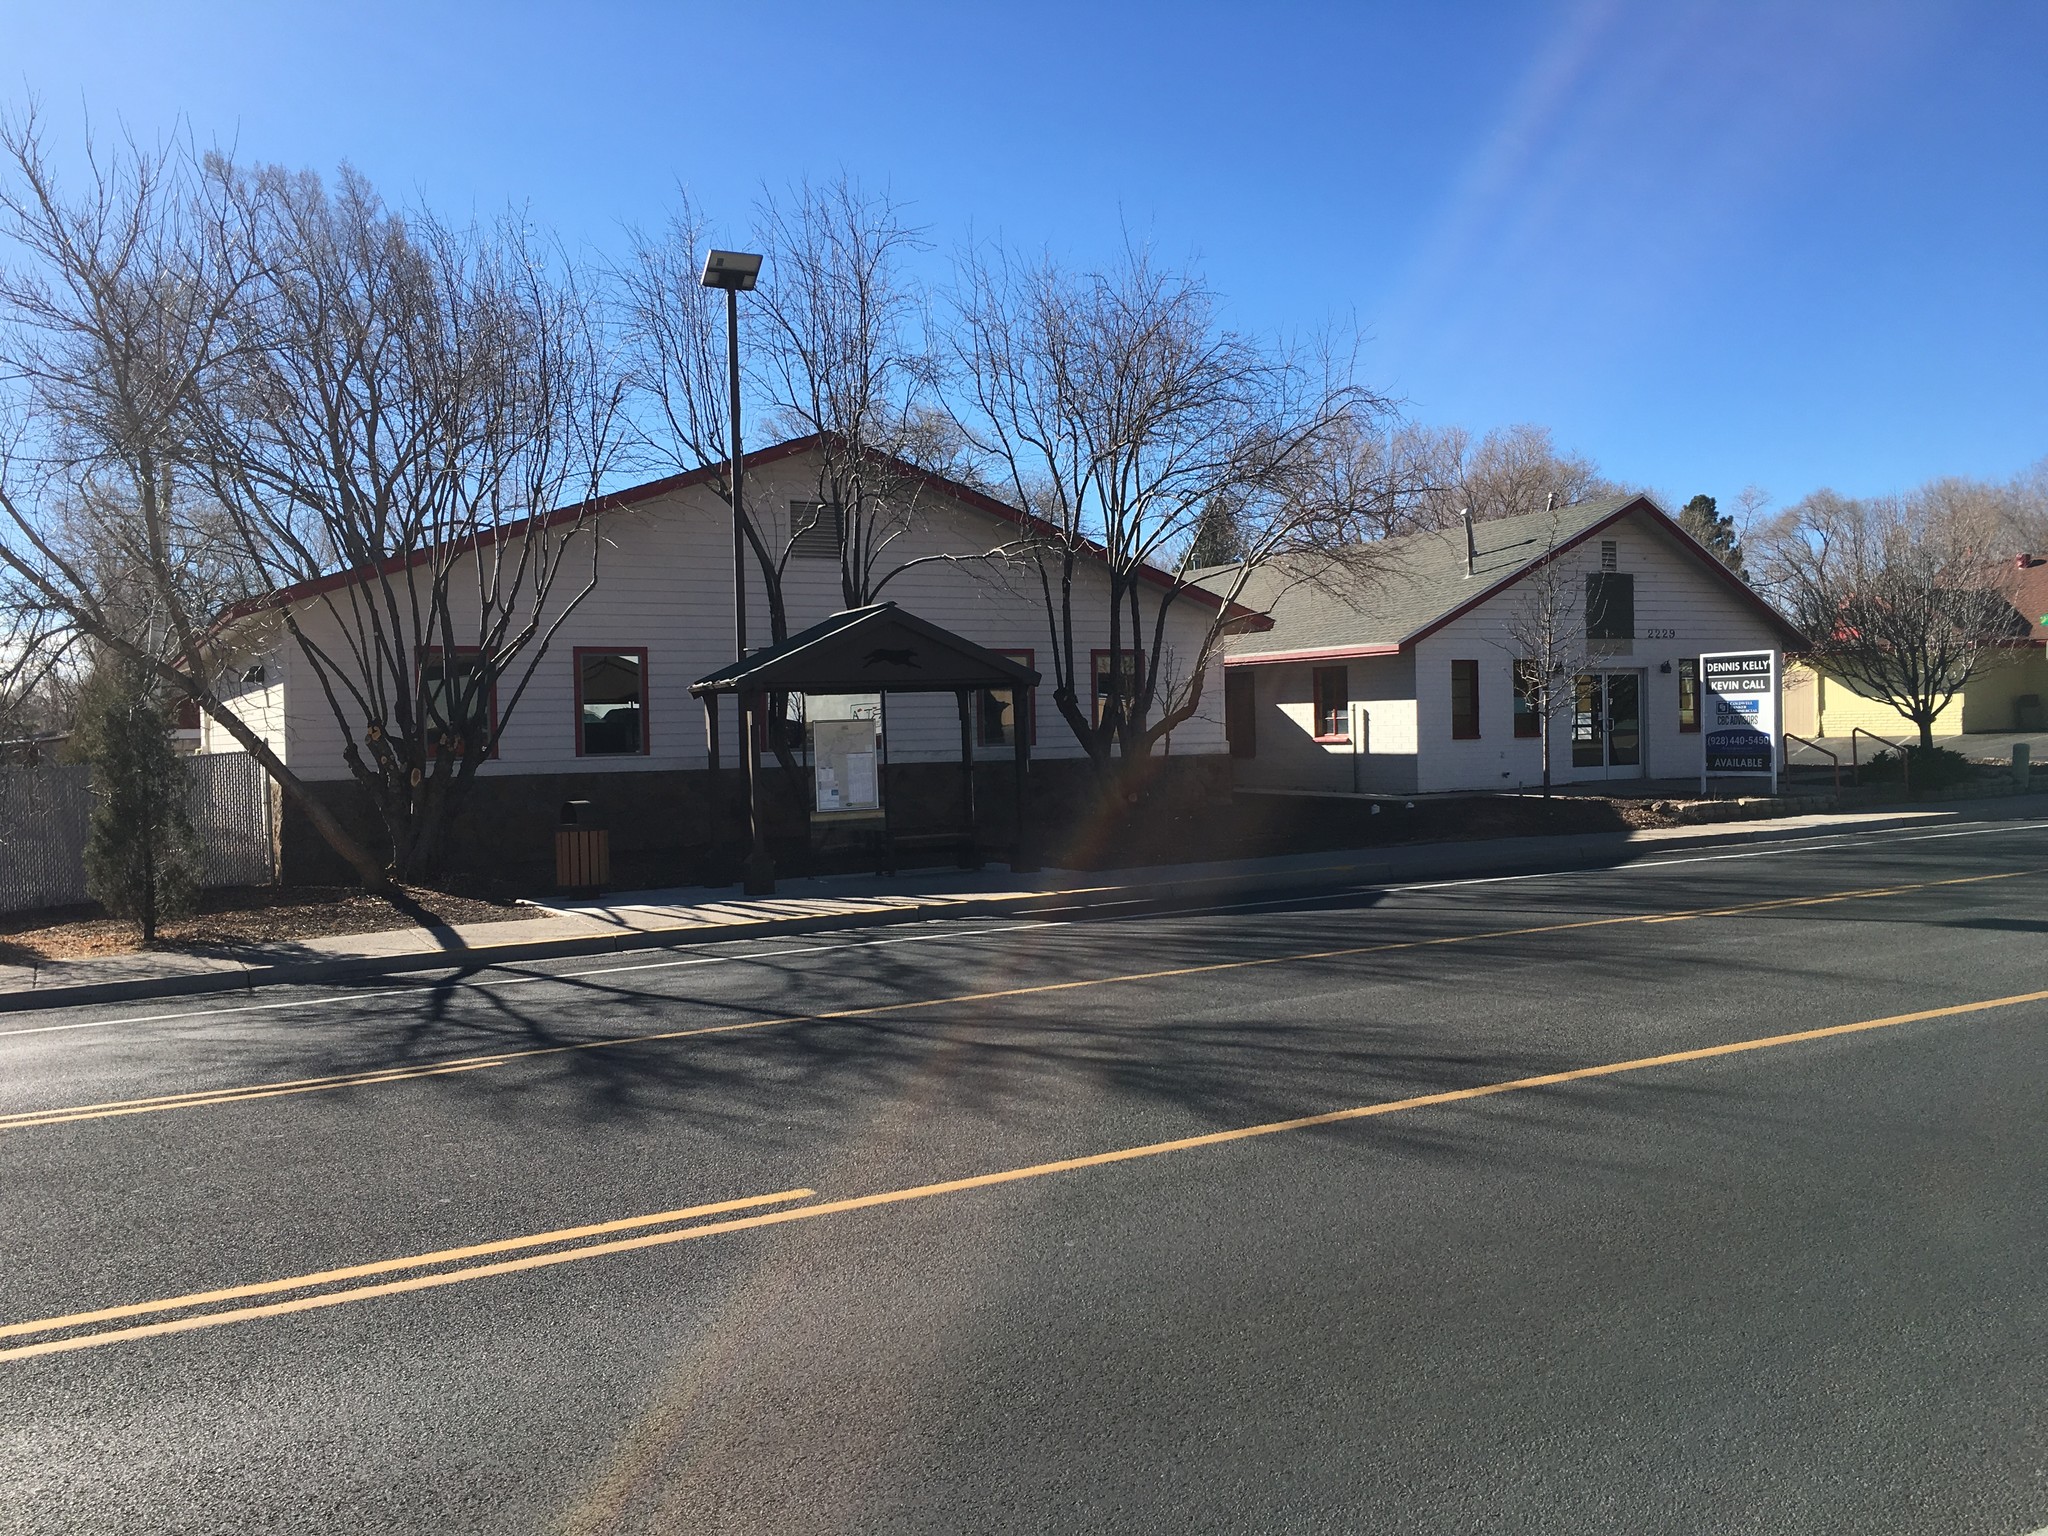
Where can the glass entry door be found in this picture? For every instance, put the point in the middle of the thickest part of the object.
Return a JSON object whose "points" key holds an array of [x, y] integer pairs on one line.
{"points": [[1607, 722]]}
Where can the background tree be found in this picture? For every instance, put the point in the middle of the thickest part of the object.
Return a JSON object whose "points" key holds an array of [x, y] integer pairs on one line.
{"points": [[405, 400], [1216, 539], [1702, 518], [141, 853], [1904, 597], [113, 316], [835, 345], [1507, 472], [1114, 410]]}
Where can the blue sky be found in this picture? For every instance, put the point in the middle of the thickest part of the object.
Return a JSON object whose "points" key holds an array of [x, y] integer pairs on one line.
{"points": [[1708, 243]]}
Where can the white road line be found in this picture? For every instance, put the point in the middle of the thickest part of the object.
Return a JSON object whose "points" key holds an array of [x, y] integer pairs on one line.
{"points": [[1610, 869], [1780, 851]]}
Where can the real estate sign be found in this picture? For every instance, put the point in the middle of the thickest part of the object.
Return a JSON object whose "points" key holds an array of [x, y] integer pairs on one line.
{"points": [[1739, 709]]}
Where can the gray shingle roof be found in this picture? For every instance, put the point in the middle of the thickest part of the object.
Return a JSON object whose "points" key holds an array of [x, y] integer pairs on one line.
{"points": [[1388, 591]]}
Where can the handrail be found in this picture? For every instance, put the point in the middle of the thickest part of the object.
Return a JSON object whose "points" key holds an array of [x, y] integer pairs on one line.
{"points": [[1905, 758], [1831, 756]]}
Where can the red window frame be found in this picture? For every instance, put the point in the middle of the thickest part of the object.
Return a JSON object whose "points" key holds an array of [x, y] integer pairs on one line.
{"points": [[1136, 662], [1688, 688], [1465, 721], [1028, 656], [1319, 682], [1528, 722], [428, 653], [646, 697]]}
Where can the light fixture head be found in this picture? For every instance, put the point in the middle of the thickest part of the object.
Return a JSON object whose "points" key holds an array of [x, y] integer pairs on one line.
{"points": [[737, 270]]}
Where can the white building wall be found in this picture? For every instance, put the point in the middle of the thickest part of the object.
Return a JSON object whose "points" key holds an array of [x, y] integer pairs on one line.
{"points": [[1681, 610], [664, 582], [259, 705], [1290, 757]]}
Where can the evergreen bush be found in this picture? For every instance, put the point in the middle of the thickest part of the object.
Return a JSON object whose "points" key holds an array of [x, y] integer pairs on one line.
{"points": [[141, 853]]}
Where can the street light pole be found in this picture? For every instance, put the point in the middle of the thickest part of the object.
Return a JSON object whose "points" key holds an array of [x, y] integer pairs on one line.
{"points": [[737, 473], [736, 272]]}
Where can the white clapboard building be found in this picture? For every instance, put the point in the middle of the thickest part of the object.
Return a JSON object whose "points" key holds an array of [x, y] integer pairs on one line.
{"points": [[1396, 673], [608, 717]]}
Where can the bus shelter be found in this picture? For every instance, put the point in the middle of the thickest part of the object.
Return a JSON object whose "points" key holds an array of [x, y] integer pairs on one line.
{"points": [[875, 651]]}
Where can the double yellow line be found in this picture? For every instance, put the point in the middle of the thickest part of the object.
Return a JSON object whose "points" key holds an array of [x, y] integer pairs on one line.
{"points": [[79, 1330], [374, 1077]]}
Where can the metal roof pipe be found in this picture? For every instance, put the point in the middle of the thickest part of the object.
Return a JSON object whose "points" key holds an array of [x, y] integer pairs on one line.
{"points": [[1471, 545]]}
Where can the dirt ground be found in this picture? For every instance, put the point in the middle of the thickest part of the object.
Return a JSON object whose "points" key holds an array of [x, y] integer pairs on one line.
{"points": [[242, 915]]}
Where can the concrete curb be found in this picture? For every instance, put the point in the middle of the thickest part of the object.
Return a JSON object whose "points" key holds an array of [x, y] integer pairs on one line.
{"points": [[1501, 857]]}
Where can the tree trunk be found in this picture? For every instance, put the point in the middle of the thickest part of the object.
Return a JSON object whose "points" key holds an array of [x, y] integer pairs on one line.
{"points": [[325, 822], [1926, 724]]}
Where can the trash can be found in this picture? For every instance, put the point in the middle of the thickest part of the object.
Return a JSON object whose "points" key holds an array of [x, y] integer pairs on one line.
{"points": [[583, 853]]}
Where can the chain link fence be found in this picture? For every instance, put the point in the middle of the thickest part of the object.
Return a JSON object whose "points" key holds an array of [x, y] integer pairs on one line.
{"points": [[44, 810]]}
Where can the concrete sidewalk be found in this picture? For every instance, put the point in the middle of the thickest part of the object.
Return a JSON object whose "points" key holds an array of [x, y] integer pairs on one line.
{"points": [[654, 919]]}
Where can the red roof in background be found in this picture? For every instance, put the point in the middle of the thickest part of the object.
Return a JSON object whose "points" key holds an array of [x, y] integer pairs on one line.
{"points": [[653, 489], [2030, 594]]}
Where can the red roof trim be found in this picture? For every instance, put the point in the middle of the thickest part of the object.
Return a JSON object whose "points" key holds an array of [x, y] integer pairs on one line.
{"points": [[1319, 653], [634, 495], [1668, 524]]}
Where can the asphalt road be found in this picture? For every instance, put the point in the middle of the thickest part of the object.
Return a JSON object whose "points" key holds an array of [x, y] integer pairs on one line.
{"points": [[1441, 1209]]}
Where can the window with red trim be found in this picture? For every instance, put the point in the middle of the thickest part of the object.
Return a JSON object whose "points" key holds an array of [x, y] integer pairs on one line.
{"points": [[1528, 704], [458, 703], [1332, 690], [1689, 695], [1106, 686], [996, 709], [611, 701], [1465, 700]]}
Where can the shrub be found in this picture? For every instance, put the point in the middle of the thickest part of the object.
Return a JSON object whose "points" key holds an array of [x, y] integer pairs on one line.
{"points": [[141, 854], [1931, 767]]}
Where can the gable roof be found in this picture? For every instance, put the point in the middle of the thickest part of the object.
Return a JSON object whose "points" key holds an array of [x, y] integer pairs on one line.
{"points": [[653, 490], [2030, 594], [1406, 588], [868, 650]]}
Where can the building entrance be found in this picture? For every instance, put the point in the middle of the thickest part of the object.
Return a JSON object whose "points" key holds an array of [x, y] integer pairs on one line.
{"points": [[1607, 723]]}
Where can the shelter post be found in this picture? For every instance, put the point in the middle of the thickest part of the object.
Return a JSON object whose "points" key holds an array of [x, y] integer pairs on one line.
{"points": [[888, 816], [760, 876], [1021, 860], [970, 848]]}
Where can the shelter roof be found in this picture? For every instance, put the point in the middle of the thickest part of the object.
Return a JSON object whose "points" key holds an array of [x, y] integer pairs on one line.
{"points": [[869, 650]]}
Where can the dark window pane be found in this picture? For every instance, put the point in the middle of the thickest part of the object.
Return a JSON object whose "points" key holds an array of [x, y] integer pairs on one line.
{"points": [[1125, 683], [1528, 718], [1332, 701], [457, 696], [1589, 746], [1465, 699], [1610, 607], [614, 702]]}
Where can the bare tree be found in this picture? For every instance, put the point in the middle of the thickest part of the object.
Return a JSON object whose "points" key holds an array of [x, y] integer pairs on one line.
{"points": [[1507, 472], [835, 348], [1543, 630], [1904, 597], [429, 410], [113, 314], [1118, 414]]}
